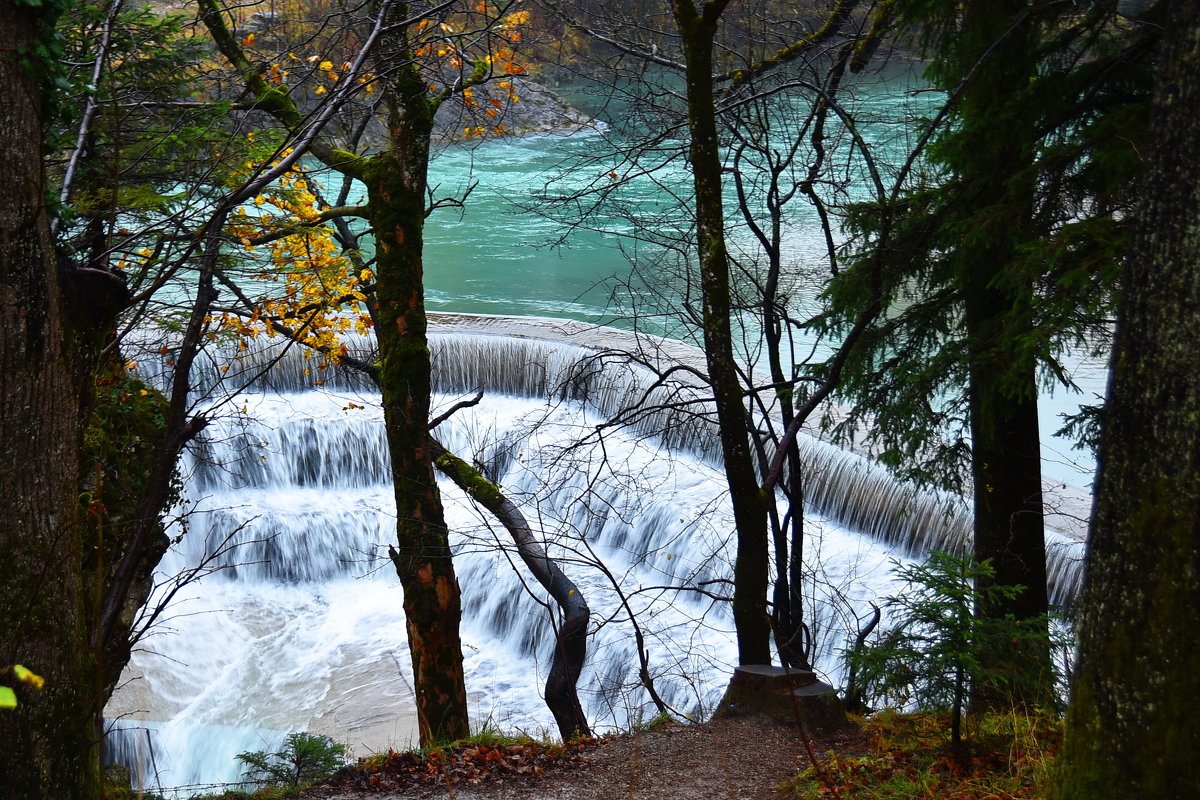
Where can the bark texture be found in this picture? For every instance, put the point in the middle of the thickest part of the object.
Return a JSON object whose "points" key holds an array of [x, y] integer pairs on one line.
{"points": [[698, 30], [995, 211], [570, 635], [1133, 727], [396, 182], [50, 739], [396, 188]]}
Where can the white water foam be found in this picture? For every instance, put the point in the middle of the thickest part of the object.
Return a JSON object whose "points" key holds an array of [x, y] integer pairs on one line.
{"points": [[302, 629]]}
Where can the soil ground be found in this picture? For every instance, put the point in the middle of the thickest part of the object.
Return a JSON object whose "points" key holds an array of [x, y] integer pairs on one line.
{"points": [[743, 758]]}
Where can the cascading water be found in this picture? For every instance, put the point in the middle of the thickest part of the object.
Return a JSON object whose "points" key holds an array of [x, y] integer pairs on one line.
{"points": [[299, 626]]}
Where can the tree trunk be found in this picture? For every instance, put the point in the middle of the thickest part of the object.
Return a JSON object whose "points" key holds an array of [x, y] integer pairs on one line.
{"points": [[1133, 727], [994, 163], [396, 182], [396, 187], [49, 740], [698, 31], [570, 637]]}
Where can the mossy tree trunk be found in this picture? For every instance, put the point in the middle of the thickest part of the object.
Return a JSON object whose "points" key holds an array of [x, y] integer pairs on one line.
{"points": [[50, 739], [570, 635], [698, 28], [396, 182], [1133, 727]]}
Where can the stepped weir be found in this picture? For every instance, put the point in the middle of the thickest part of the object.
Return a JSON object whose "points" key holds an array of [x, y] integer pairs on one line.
{"points": [[299, 626]]}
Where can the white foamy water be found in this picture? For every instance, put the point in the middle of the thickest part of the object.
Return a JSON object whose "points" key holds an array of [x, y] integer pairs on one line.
{"points": [[302, 628]]}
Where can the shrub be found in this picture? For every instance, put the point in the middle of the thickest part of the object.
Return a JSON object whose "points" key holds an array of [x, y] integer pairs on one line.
{"points": [[1010, 757], [936, 652], [305, 758]]}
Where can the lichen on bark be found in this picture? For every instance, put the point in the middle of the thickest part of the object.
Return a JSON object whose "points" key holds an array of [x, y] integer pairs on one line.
{"points": [[1133, 726]]}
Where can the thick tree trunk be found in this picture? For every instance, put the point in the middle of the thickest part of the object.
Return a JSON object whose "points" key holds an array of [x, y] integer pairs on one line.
{"points": [[50, 742], [396, 184], [1133, 727], [994, 163], [698, 31]]}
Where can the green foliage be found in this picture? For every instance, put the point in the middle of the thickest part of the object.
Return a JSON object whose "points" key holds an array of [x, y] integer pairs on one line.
{"points": [[490, 736], [1011, 756], [657, 722], [121, 441], [265, 793], [937, 651], [157, 144], [1077, 116], [305, 758], [44, 56], [117, 785]]}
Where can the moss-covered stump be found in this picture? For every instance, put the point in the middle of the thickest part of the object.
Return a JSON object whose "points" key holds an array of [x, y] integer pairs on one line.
{"points": [[784, 694]]}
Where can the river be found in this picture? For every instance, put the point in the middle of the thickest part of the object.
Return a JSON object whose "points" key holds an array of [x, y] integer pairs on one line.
{"points": [[301, 626]]}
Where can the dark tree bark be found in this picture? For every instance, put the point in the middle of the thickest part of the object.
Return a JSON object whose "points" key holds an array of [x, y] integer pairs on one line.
{"points": [[570, 636], [396, 189], [1133, 729], [396, 182], [698, 29], [50, 739], [994, 164]]}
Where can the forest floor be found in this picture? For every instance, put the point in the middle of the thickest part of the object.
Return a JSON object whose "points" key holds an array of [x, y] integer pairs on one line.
{"points": [[742, 758]]}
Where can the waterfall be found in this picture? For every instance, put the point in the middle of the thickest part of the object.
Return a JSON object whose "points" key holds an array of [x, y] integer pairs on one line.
{"points": [[299, 625], [846, 487]]}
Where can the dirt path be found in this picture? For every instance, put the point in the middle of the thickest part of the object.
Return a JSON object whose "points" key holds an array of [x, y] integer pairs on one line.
{"points": [[734, 759]]}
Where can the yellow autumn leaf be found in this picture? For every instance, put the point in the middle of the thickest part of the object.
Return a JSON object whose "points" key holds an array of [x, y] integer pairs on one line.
{"points": [[28, 678], [326, 65]]}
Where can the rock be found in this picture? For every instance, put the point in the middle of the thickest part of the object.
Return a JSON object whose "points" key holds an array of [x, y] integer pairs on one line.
{"points": [[537, 110], [259, 22], [787, 695]]}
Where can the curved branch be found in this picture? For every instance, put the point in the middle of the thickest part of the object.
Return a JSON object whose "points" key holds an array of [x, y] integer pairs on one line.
{"points": [[833, 25], [571, 638]]}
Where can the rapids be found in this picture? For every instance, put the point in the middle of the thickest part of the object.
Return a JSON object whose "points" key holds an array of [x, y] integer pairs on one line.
{"points": [[298, 626]]}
